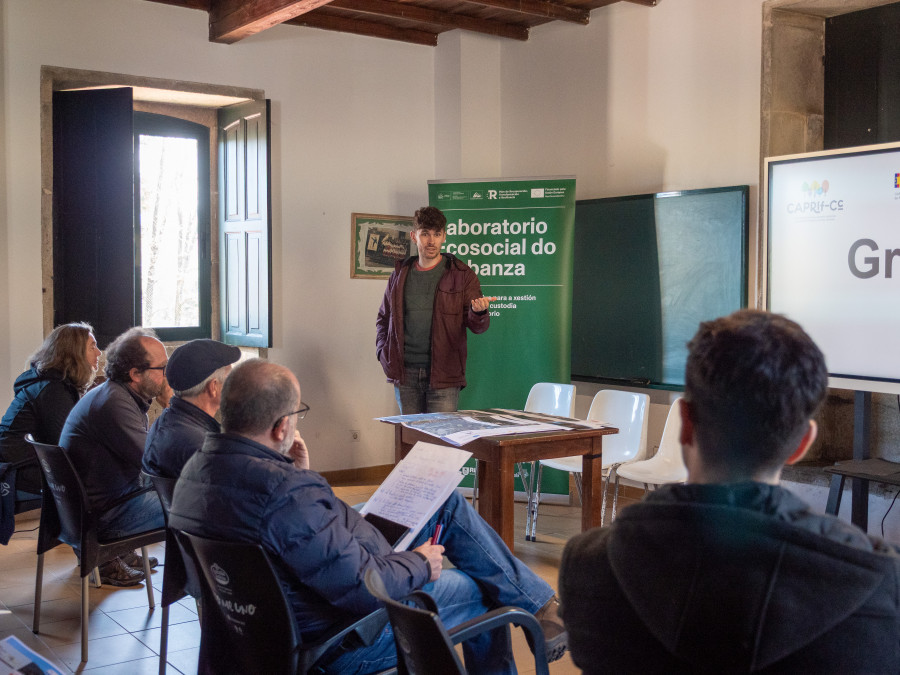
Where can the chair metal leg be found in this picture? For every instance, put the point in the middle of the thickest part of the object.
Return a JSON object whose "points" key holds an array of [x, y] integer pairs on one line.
{"points": [[38, 588], [475, 487], [526, 476], [578, 487], [85, 616], [147, 580], [603, 500], [535, 503], [164, 640], [835, 492], [612, 470], [95, 574]]}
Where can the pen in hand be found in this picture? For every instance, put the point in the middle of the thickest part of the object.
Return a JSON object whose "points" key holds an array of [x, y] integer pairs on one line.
{"points": [[436, 537]]}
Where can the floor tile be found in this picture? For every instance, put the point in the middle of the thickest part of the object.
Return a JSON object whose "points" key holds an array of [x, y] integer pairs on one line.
{"points": [[51, 610], [68, 631], [141, 618], [185, 660], [8, 620], [182, 636], [51, 589], [147, 666], [105, 651]]}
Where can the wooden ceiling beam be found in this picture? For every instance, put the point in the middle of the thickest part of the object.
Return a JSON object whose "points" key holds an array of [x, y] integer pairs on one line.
{"points": [[233, 20], [402, 10], [542, 8], [189, 4], [367, 28]]}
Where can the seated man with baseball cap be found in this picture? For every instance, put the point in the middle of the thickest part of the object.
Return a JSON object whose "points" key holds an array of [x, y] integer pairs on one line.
{"points": [[196, 372]]}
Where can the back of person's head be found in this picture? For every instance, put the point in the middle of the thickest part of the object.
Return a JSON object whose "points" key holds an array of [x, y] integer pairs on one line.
{"points": [[256, 396], [753, 381], [65, 350], [430, 218], [126, 352]]}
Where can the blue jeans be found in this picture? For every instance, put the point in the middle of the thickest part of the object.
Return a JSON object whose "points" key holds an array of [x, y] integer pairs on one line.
{"points": [[416, 395], [487, 576], [139, 514]]}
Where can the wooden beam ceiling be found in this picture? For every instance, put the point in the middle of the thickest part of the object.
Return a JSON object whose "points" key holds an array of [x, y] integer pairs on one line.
{"points": [[414, 21]]}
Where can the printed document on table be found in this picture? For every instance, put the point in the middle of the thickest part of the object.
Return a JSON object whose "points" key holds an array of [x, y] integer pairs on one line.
{"points": [[467, 425], [417, 487]]}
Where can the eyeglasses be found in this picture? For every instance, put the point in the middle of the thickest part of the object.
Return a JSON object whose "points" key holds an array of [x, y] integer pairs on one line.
{"points": [[300, 414], [162, 367]]}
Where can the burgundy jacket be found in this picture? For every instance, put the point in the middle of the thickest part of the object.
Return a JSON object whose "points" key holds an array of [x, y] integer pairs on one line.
{"points": [[452, 315]]}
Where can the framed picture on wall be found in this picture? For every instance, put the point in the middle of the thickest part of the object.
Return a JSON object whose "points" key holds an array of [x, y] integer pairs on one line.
{"points": [[377, 242]]}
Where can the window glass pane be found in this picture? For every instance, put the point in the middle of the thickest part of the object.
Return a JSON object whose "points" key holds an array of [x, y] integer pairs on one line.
{"points": [[169, 245]]}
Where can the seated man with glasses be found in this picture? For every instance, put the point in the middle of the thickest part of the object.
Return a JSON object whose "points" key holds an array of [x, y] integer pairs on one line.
{"points": [[104, 437], [253, 483]]}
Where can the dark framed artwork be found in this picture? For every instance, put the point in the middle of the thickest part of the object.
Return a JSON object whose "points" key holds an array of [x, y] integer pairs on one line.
{"points": [[377, 242]]}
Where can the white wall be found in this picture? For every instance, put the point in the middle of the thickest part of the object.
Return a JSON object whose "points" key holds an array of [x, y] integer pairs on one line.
{"points": [[352, 128], [639, 101], [642, 99]]}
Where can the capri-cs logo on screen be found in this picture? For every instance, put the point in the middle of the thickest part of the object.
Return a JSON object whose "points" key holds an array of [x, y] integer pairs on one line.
{"points": [[814, 199]]}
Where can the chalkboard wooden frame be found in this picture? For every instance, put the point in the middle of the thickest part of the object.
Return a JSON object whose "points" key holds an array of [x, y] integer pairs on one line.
{"points": [[648, 268]]}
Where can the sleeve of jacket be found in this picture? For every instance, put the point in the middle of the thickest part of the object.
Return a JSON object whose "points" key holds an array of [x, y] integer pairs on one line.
{"points": [[326, 556], [53, 405], [384, 318], [124, 429], [475, 322]]}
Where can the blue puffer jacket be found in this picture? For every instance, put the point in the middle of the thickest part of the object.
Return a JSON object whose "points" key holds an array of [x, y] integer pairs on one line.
{"points": [[238, 490]]}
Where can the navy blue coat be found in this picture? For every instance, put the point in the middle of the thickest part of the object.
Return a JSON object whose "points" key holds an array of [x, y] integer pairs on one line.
{"points": [[175, 436], [40, 408], [238, 490]]}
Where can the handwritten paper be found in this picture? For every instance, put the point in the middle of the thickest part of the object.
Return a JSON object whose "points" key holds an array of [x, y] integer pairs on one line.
{"points": [[417, 487]]}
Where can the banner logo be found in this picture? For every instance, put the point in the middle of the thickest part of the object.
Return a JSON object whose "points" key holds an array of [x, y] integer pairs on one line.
{"points": [[897, 180]]}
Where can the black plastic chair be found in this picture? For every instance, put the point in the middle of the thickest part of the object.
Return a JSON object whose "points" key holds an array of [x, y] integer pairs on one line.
{"points": [[76, 525], [180, 577], [28, 504], [247, 624], [425, 647]]}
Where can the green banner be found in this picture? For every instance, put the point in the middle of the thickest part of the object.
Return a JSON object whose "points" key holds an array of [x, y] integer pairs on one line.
{"points": [[516, 234]]}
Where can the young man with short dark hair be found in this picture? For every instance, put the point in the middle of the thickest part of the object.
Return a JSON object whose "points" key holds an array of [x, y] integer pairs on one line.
{"points": [[430, 301], [731, 572]]}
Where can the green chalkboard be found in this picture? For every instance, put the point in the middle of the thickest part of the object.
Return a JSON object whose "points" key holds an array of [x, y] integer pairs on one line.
{"points": [[648, 269]]}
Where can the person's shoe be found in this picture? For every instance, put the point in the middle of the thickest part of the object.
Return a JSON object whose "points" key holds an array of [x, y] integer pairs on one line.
{"points": [[117, 573], [137, 562], [556, 639]]}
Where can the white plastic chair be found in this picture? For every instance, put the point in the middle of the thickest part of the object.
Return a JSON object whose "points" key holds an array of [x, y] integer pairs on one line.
{"points": [[667, 465], [549, 398], [627, 411]]}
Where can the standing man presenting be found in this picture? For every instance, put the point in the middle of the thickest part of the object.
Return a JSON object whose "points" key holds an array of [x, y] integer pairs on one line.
{"points": [[430, 301]]}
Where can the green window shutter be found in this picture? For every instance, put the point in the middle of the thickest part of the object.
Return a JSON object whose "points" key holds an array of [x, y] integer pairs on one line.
{"points": [[245, 225]]}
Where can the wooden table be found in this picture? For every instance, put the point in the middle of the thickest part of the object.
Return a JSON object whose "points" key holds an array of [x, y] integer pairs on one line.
{"points": [[497, 457]]}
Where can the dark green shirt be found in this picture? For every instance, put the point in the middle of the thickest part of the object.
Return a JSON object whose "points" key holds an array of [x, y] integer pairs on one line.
{"points": [[418, 309]]}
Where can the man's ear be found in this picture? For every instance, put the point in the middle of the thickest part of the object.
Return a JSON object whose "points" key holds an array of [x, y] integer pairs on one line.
{"points": [[686, 437], [279, 431], [135, 374], [805, 443]]}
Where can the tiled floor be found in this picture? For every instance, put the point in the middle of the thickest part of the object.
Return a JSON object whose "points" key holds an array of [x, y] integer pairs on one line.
{"points": [[124, 633]]}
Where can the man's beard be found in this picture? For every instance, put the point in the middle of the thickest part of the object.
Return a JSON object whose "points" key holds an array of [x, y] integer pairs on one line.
{"points": [[150, 389]]}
